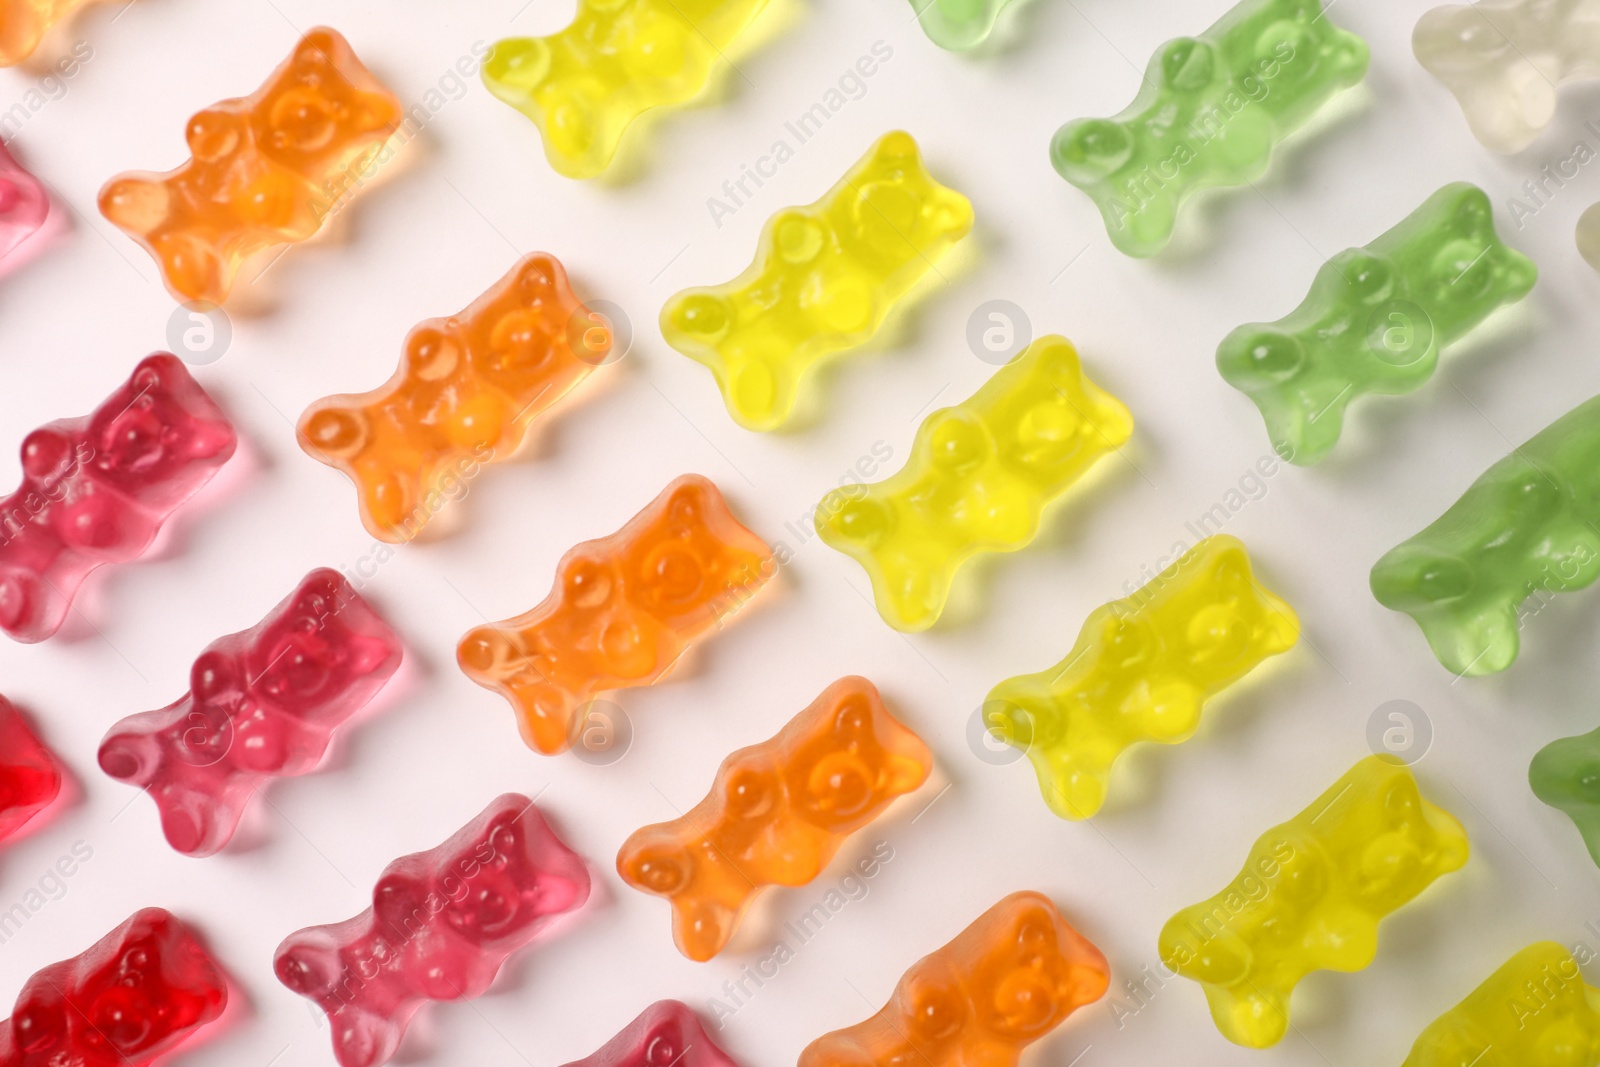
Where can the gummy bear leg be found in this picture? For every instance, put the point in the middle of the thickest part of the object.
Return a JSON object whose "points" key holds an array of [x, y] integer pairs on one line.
{"points": [[1248, 1015], [1071, 789], [1484, 644]]}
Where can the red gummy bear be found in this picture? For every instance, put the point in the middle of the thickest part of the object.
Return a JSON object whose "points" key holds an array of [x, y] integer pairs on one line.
{"points": [[668, 1034], [261, 703], [24, 204], [30, 777], [97, 489], [136, 995], [442, 923]]}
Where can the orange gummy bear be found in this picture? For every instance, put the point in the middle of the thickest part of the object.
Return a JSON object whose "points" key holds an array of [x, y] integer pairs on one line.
{"points": [[23, 24], [777, 813], [624, 608], [1005, 982], [267, 169], [466, 393]]}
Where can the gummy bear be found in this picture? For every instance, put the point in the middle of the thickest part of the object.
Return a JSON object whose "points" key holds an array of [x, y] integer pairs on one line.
{"points": [[30, 777], [24, 204], [583, 87], [23, 24], [823, 280], [1525, 528], [1506, 60], [667, 1034], [262, 703], [980, 476], [1566, 775], [624, 608], [98, 489], [1210, 113], [1588, 236], [1310, 897], [467, 392], [267, 169], [777, 813], [1142, 670], [1005, 982], [959, 25], [1375, 320], [441, 925], [135, 996], [1535, 1011]]}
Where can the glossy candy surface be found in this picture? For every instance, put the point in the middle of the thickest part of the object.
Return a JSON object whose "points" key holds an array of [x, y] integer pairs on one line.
{"points": [[23, 24], [442, 923], [1565, 774], [1588, 236], [667, 1034], [823, 279], [959, 24], [1376, 320], [1506, 61], [777, 813], [1212, 110], [1534, 1011], [1142, 670], [583, 87], [30, 777], [265, 170], [262, 703], [97, 489], [1527, 528], [467, 392], [624, 608], [24, 204], [980, 475], [1310, 897], [1006, 981], [136, 995]]}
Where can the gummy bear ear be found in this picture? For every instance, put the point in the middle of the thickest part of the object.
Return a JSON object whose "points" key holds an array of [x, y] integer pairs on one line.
{"points": [[1188, 64], [536, 277], [1089, 151]]}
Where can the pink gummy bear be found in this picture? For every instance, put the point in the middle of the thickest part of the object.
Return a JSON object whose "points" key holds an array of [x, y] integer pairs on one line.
{"points": [[24, 205], [262, 703], [30, 777], [97, 490], [668, 1034], [135, 995], [442, 923]]}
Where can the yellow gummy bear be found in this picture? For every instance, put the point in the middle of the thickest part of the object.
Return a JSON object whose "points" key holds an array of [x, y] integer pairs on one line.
{"points": [[618, 59], [980, 475], [1142, 670], [822, 281], [1535, 1011], [1310, 897]]}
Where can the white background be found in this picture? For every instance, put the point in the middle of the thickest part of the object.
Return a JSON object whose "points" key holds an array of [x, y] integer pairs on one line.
{"points": [[473, 194]]}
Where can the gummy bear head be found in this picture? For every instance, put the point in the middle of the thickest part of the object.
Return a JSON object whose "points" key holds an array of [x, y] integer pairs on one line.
{"points": [[897, 213], [852, 760], [325, 641], [693, 560], [1458, 42], [1238, 622], [1048, 420], [1473, 269], [159, 436], [137, 994], [322, 107], [519, 341]]}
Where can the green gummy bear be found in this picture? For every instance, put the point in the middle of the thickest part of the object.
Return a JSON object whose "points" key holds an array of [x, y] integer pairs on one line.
{"points": [[1375, 320], [1526, 527], [1211, 111], [1566, 775], [959, 25]]}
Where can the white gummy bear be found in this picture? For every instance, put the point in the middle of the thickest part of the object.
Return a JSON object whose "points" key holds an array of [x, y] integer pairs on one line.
{"points": [[1506, 60]]}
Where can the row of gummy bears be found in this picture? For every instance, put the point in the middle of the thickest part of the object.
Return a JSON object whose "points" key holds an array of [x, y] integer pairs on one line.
{"points": [[264, 703]]}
